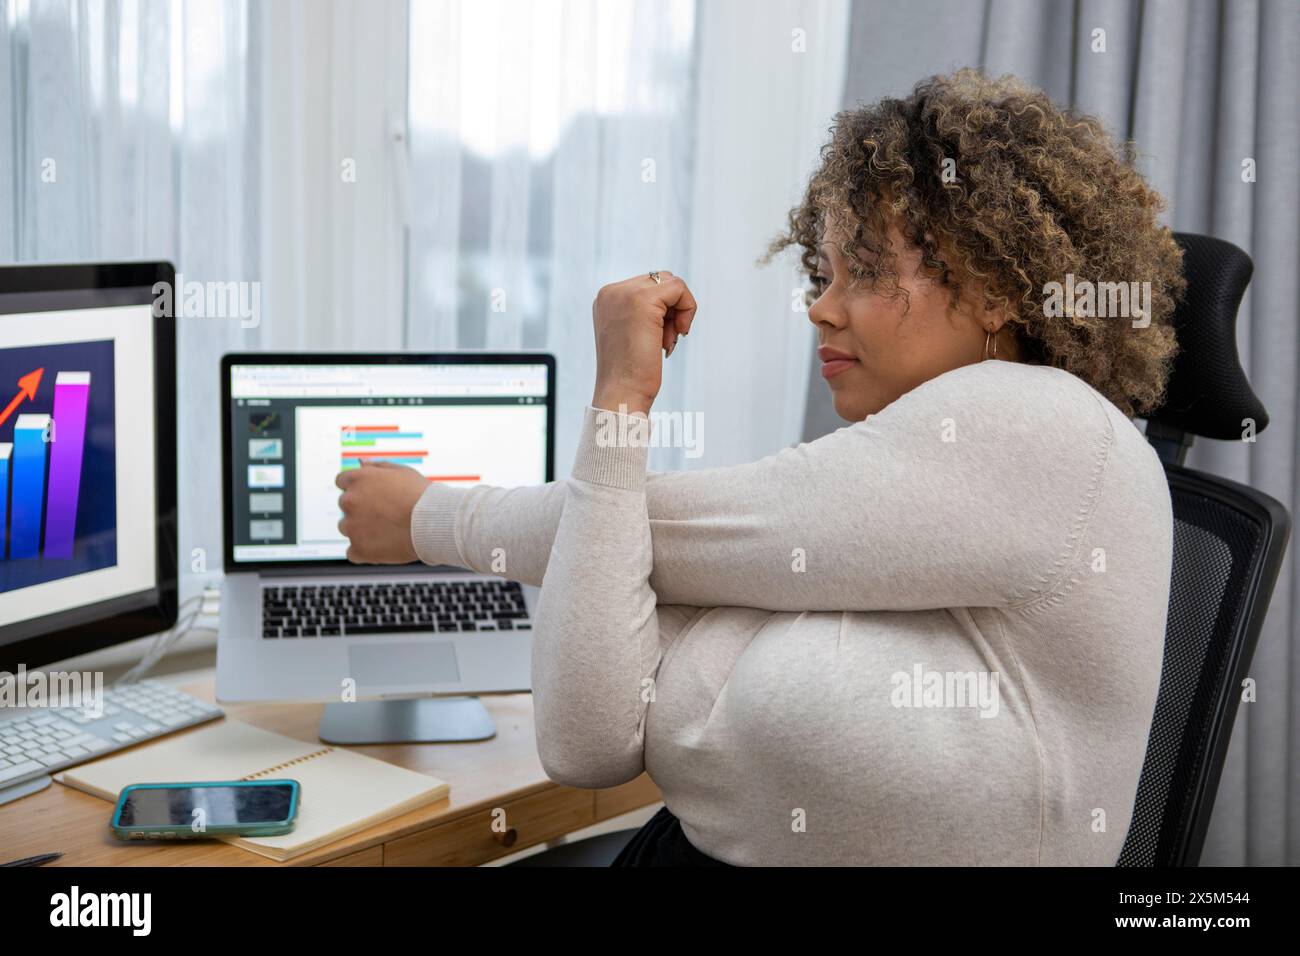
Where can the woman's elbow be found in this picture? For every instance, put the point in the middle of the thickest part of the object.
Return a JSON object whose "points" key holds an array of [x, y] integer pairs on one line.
{"points": [[585, 767]]}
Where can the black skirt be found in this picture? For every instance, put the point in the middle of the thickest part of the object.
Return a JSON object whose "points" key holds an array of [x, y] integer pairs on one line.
{"points": [[661, 843]]}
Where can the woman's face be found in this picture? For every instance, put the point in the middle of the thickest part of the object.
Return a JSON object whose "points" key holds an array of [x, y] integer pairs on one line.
{"points": [[871, 352]]}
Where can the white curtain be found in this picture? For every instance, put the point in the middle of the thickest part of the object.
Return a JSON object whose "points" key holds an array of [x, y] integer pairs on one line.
{"points": [[125, 134], [559, 145], [85, 137], [551, 153], [330, 116], [769, 86], [234, 139]]}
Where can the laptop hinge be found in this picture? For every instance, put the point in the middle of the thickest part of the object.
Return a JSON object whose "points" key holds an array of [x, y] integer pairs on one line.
{"points": [[359, 570]]}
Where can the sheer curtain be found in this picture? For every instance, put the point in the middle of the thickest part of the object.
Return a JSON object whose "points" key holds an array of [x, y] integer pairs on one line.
{"points": [[257, 143], [559, 145], [769, 86], [86, 131], [124, 134], [551, 153]]}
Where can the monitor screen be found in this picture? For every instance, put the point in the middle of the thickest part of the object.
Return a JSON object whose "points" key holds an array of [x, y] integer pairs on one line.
{"points": [[293, 427], [78, 507]]}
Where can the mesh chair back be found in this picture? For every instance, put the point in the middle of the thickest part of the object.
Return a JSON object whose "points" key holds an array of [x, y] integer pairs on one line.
{"points": [[1228, 546]]}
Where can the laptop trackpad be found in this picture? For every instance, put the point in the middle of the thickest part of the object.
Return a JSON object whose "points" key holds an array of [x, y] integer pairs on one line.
{"points": [[410, 663]]}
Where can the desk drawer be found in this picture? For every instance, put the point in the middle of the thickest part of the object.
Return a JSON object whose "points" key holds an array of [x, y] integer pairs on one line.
{"points": [[472, 840]]}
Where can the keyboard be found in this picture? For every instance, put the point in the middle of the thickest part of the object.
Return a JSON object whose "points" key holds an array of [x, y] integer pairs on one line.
{"points": [[35, 742], [420, 607]]}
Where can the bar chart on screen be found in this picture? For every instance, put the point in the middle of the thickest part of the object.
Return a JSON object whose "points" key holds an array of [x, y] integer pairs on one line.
{"points": [[376, 443], [44, 468], [48, 529], [463, 445]]}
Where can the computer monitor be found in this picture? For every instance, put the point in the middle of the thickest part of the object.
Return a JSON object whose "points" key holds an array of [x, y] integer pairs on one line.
{"points": [[294, 421], [87, 459]]}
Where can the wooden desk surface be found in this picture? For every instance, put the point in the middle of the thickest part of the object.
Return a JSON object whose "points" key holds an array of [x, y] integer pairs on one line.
{"points": [[501, 774]]}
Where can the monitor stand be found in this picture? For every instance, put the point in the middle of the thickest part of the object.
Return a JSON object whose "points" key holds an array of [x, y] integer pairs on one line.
{"points": [[424, 720], [12, 793]]}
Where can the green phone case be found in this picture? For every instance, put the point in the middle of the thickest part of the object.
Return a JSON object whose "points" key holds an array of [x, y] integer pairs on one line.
{"points": [[186, 831]]}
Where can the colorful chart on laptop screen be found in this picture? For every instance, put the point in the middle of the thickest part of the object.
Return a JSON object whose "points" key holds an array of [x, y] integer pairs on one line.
{"points": [[58, 471]]}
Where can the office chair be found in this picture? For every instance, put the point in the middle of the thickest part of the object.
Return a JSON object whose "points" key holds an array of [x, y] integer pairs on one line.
{"points": [[1229, 542]]}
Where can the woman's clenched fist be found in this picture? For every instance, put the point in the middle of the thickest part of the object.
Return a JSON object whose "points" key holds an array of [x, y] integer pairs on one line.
{"points": [[637, 322], [377, 502]]}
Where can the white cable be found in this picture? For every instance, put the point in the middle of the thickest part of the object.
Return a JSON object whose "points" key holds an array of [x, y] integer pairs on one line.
{"points": [[164, 641], [162, 644]]}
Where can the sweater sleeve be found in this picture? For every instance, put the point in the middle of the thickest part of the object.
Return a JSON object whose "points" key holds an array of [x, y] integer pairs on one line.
{"points": [[972, 490], [596, 647]]}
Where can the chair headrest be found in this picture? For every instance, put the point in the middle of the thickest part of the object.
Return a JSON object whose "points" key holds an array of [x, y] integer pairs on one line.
{"points": [[1208, 393]]}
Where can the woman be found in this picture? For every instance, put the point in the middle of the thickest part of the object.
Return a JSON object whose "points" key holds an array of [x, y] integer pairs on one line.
{"points": [[931, 637]]}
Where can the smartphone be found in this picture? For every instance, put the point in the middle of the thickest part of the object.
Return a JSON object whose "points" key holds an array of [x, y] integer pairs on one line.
{"points": [[194, 811]]}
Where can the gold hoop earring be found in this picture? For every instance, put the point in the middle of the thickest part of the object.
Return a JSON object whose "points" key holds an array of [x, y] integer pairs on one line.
{"points": [[990, 337]]}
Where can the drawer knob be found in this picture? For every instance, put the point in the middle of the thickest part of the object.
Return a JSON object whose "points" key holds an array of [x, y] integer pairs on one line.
{"points": [[506, 837]]}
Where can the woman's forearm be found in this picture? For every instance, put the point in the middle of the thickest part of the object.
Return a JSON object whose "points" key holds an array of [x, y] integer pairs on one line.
{"points": [[503, 531], [596, 647]]}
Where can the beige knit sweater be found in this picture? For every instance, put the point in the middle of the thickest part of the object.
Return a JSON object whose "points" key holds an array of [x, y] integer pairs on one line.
{"points": [[931, 637]]}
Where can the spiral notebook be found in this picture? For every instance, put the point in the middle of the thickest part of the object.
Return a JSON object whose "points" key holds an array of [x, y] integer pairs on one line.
{"points": [[342, 792]]}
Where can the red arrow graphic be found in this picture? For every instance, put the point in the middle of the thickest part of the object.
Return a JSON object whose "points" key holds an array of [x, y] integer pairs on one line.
{"points": [[27, 386]]}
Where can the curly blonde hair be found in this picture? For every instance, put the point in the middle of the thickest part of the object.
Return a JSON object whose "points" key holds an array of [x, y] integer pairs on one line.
{"points": [[1003, 193]]}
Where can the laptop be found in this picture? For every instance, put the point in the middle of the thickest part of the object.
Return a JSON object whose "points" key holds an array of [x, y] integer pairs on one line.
{"points": [[301, 623]]}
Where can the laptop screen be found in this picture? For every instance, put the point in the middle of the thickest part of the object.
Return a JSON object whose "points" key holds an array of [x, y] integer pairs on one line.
{"points": [[293, 427]]}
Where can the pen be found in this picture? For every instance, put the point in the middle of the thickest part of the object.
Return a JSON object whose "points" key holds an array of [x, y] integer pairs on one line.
{"points": [[33, 860]]}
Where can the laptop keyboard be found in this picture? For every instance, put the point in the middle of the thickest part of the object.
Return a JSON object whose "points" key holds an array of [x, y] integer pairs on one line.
{"points": [[353, 610]]}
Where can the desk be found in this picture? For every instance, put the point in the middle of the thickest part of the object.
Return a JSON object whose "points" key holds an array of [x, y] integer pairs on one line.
{"points": [[504, 772]]}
